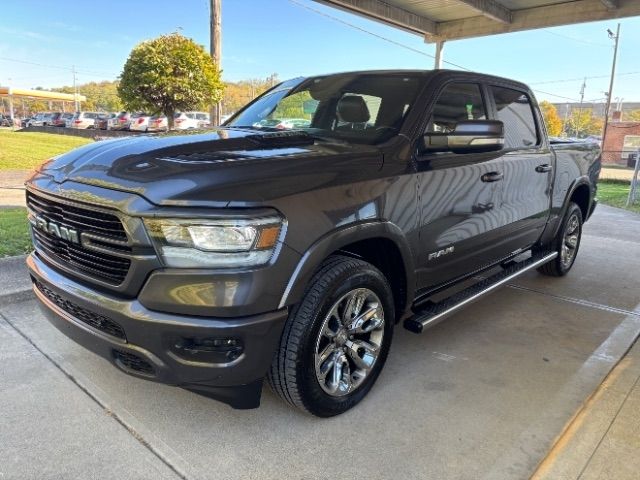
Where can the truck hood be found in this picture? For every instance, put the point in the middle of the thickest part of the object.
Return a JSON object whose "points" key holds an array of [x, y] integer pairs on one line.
{"points": [[225, 166]]}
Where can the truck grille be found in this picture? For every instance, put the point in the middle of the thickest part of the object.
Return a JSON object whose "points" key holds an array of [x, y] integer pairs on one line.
{"points": [[109, 268], [95, 320]]}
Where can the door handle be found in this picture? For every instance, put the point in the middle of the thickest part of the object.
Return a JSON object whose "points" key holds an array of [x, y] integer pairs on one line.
{"points": [[544, 168], [492, 177]]}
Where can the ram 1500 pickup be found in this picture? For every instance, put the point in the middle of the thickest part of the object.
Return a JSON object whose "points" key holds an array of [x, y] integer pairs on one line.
{"points": [[290, 242]]}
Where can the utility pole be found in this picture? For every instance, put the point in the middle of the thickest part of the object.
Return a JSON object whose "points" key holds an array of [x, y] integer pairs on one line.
{"points": [[215, 46], [75, 89], [577, 125], [615, 37]]}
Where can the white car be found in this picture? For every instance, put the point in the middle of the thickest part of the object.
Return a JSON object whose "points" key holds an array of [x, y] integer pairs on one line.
{"points": [[158, 123], [139, 122], [84, 120], [191, 120], [39, 120]]}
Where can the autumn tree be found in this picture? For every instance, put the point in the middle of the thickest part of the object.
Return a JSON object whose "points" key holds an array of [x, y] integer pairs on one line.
{"points": [[632, 116], [551, 118], [169, 74], [101, 96], [582, 122], [238, 94]]}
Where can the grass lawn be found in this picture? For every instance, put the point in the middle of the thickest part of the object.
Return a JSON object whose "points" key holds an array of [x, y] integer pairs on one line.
{"points": [[26, 150], [14, 232], [615, 194]]}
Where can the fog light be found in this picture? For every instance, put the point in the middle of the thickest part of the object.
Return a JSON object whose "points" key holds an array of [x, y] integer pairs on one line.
{"points": [[216, 350]]}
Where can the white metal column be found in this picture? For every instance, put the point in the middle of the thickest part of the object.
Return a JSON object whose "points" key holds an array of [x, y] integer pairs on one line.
{"points": [[437, 64]]}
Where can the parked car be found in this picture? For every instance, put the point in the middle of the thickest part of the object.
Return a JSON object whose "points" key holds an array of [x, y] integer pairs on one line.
{"points": [[102, 122], [56, 119], [191, 120], [6, 121], [158, 123], [120, 121], [84, 120], [39, 120], [139, 122], [213, 260]]}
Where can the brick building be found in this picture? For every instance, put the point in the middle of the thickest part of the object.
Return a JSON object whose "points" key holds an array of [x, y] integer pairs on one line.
{"points": [[622, 139]]}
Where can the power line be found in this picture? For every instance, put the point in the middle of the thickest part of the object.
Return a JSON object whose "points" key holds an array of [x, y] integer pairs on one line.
{"points": [[59, 67], [576, 79], [351, 25], [579, 40], [402, 45]]}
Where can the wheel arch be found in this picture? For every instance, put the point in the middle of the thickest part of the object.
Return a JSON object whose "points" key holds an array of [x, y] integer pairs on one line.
{"points": [[381, 243]]}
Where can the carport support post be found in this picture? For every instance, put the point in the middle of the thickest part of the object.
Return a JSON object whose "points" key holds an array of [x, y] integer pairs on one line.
{"points": [[11, 107], [437, 64]]}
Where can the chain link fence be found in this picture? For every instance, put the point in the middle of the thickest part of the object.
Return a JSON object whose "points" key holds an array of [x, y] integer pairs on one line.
{"points": [[622, 158]]}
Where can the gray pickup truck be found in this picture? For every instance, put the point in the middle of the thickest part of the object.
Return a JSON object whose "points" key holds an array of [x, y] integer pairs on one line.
{"points": [[291, 249]]}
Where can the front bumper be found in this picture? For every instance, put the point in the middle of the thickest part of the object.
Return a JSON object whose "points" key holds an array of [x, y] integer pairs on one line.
{"points": [[167, 348]]}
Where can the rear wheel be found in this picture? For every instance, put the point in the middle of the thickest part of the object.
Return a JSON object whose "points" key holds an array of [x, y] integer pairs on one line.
{"points": [[336, 340], [566, 243]]}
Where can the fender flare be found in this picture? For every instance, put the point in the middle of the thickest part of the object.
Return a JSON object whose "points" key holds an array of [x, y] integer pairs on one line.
{"points": [[580, 181], [338, 239]]}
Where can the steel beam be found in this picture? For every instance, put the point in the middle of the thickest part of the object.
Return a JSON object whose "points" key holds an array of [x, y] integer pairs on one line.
{"points": [[490, 9], [567, 13], [386, 13]]}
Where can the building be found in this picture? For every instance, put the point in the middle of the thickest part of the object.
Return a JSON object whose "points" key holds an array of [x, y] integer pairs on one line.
{"points": [[622, 139]]}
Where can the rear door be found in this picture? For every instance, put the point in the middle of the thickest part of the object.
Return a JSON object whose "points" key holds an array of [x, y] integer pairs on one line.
{"points": [[528, 166], [459, 195]]}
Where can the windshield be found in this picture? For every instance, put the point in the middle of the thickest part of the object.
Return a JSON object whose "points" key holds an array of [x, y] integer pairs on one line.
{"points": [[363, 108]]}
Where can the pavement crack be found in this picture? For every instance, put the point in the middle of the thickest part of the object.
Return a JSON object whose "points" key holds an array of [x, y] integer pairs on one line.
{"points": [[108, 411]]}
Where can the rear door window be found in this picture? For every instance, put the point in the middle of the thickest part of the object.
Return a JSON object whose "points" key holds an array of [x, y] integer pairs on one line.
{"points": [[514, 109]]}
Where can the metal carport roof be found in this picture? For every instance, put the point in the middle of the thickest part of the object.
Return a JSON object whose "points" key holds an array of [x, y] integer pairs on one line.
{"points": [[443, 20]]}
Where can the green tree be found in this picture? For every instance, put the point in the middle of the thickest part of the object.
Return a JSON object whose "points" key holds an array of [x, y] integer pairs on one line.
{"points": [[169, 74], [551, 118]]}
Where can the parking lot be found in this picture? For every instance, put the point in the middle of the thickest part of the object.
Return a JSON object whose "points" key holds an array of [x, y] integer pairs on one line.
{"points": [[482, 395]]}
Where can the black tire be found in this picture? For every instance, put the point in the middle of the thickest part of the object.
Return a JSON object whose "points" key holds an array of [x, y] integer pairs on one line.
{"points": [[559, 266], [293, 374]]}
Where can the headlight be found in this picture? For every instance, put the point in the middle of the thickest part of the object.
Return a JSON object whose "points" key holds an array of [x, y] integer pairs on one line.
{"points": [[215, 243]]}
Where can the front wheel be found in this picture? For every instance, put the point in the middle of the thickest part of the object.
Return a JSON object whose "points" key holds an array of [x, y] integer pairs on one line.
{"points": [[566, 243], [336, 341]]}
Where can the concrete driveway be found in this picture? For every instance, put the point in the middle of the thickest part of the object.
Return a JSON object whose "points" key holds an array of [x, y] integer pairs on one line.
{"points": [[482, 395]]}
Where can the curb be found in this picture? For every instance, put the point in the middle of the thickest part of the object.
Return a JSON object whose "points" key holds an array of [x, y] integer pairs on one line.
{"points": [[17, 296], [14, 291]]}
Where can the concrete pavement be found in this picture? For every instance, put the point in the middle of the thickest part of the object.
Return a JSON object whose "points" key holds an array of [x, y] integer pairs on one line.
{"points": [[485, 394], [50, 428], [603, 440]]}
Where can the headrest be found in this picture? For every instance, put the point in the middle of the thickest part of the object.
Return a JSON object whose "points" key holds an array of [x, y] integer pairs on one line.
{"points": [[353, 109]]}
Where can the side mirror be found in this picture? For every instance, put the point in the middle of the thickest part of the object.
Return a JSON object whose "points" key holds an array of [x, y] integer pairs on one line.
{"points": [[468, 136]]}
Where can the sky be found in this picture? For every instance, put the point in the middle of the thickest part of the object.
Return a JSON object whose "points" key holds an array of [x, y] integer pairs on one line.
{"points": [[40, 41]]}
